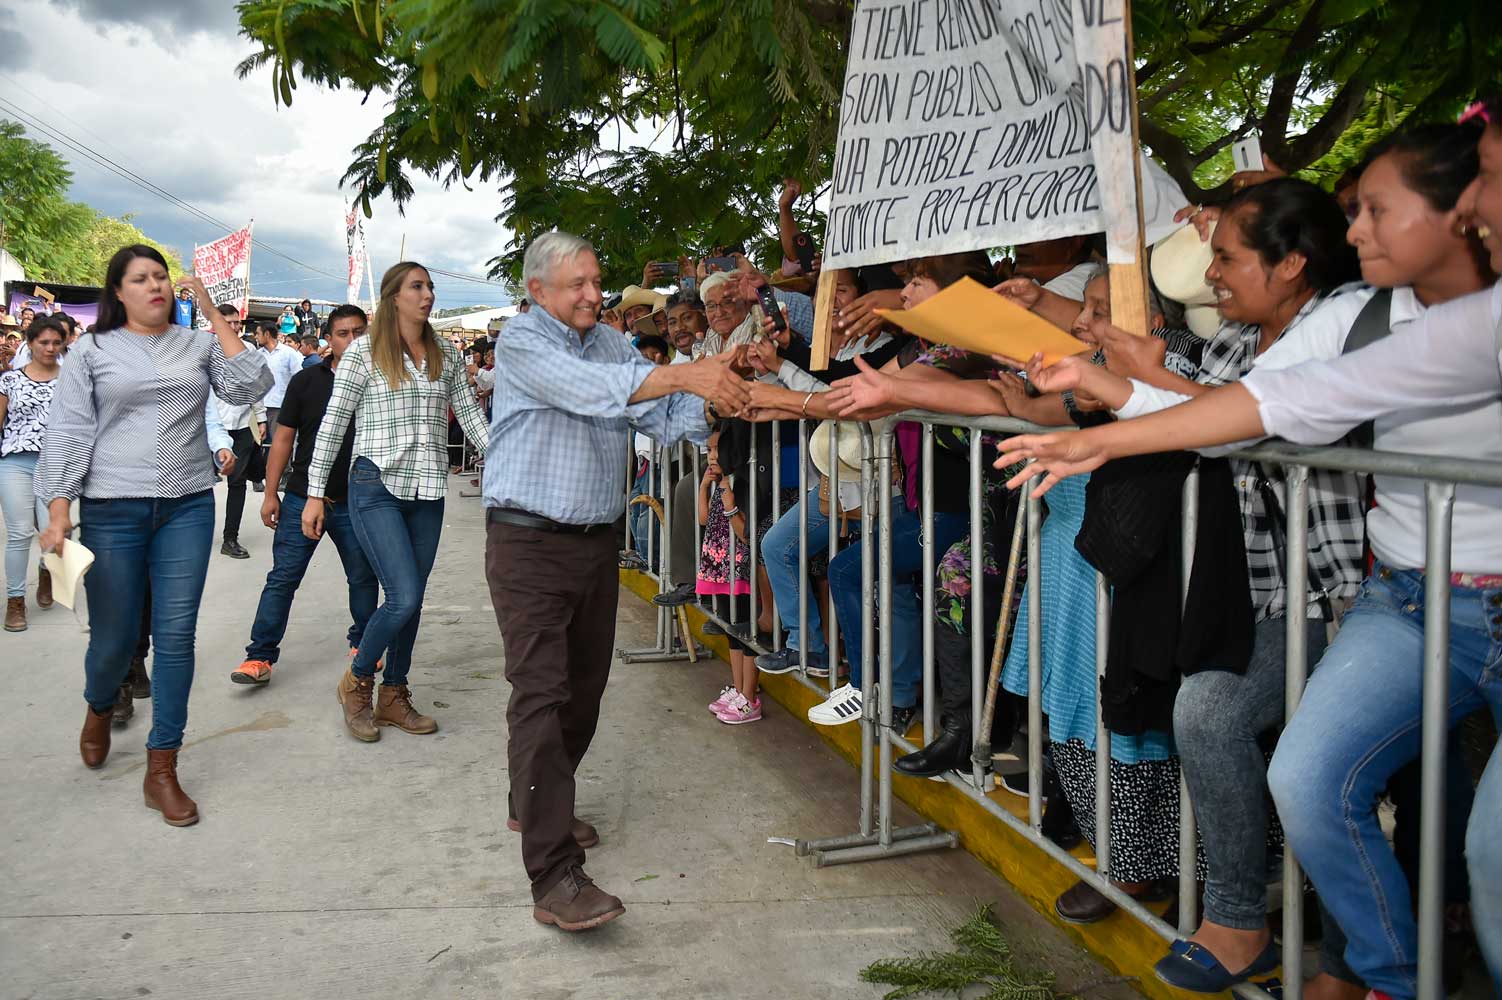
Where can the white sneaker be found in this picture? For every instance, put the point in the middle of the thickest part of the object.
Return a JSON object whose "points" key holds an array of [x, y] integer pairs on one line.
{"points": [[842, 706]]}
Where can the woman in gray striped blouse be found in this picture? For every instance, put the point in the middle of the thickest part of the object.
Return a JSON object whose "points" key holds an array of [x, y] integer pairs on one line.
{"points": [[125, 436]]}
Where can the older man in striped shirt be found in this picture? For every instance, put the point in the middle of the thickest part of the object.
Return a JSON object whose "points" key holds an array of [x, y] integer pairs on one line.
{"points": [[567, 391]]}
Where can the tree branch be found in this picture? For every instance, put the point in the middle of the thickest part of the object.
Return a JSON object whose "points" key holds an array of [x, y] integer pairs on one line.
{"points": [[1285, 84], [1235, 33]]}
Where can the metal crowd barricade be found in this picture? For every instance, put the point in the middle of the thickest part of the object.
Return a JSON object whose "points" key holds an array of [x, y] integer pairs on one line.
{"points": [[876, 838]]}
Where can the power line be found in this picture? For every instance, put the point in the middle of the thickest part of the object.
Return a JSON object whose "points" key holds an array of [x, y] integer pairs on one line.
{"points": [[104, 162], [36, 122]]}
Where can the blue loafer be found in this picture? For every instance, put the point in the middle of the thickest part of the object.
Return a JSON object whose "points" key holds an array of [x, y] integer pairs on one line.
{"points": [[1191, 967]]}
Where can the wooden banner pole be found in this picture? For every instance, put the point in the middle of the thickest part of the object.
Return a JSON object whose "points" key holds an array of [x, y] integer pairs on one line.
{"points": [[1129, 298], [823, 320]]}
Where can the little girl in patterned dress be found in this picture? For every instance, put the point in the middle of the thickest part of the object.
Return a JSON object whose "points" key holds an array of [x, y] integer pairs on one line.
{"points": [[720, 514]]}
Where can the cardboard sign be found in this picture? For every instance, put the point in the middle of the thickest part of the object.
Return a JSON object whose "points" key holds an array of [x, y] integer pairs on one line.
{"points": [[224, 268], [971, 316], [971, 124]]}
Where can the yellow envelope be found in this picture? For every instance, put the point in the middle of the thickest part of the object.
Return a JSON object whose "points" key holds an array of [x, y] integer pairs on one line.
{"points": [[67, 570], [969, 315]]}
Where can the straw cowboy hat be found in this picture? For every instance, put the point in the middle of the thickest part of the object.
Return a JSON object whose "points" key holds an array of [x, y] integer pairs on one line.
{"points": [[847, 450], [634, 295], [1178, 267], [848, 453]]}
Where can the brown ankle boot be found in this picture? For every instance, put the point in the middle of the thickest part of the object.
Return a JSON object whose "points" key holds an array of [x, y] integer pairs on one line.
{"points": [[394, 708], [162, 791], [15, 614], [354, 694], [125, 707], [140, 683], [94, 741], [44, 587], [575, 903]]}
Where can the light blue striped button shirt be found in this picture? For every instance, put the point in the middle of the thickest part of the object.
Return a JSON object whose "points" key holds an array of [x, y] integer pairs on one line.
{"points": [[558, 442]]}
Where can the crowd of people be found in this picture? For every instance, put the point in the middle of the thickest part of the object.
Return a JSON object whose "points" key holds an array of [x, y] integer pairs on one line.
{"points": [[1297, 277], [1316, 317]]}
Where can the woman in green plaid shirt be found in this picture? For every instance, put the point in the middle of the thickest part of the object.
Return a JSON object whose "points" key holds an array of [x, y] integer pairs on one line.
{"points": [[398, 384]]}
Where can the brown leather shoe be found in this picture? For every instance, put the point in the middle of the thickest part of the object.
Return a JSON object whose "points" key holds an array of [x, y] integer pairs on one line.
{"points": [[354, 694], [576, 903], [584, 834], [94, 741], [15, 614], [44, 587], [140, 683], [394, 708], [1083, 904], [125, 707], [162, 791]]}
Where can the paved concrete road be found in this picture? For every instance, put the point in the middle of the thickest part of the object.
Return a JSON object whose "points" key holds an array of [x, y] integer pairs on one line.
{"points": [[329, 868]]}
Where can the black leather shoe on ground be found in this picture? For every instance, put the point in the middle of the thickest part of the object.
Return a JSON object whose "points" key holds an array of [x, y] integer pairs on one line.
{"points": [[576, 903], [679, 595], [233, 549], [1081, 903], [951, 751]]}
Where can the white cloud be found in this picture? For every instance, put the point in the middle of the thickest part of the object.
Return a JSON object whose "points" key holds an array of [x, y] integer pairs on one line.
{"points": [[155, 90]]}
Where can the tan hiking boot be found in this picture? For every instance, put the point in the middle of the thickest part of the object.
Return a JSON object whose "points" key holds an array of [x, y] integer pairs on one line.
{"points": [[354, 694], [576, 903], [162, 791], [140, 681], [15, 614], [44, 587], [125, 706], [394, 708]]}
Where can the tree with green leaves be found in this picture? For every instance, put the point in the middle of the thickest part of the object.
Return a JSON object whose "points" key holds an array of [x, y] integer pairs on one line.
{"points": [[656, 126], [39, 226], [53, 238]]}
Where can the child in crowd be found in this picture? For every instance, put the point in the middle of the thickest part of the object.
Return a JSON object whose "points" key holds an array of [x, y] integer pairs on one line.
{"points": [[720, 515]]}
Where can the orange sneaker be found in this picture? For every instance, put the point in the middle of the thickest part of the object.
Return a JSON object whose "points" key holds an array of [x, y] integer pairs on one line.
{"points": [[251, 672], [355, 651]]}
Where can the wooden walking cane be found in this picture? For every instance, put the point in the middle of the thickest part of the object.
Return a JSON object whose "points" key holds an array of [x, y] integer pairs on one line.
{"points": [[981, 754]]}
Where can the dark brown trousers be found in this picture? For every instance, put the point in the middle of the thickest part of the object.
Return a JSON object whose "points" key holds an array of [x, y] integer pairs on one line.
{"points": [[555, 599]]}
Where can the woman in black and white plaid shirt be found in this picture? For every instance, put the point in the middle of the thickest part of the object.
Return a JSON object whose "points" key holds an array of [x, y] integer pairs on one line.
{"points": [[1280, 269]]}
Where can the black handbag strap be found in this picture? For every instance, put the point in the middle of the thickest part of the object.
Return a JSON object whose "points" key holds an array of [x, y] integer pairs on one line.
{"points": [[1278, 521], [1372, 324]]}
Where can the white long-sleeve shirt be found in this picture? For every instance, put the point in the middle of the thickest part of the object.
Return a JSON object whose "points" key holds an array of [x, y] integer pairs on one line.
{"points": [[1432, 387]]}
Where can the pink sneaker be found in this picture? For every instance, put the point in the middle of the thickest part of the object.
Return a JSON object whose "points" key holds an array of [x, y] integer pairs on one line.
{"points": [[742, 711], [723, 701]]}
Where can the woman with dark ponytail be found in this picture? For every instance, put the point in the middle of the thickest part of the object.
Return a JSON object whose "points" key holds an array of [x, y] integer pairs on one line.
{"points": [[126, 438], [1431, 386]]}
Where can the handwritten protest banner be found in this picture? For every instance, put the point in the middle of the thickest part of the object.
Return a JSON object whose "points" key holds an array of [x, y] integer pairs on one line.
{"points": [[224, 268], [354, 240], [969, 124]]}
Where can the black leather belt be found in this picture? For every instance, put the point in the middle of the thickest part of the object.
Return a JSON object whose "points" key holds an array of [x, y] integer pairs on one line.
{"points": [[526, 519]]}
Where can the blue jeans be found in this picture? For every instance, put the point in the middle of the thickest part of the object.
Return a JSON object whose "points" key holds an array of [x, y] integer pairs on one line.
{"points": [[907, 558], [1219, 718], [1483, 851], [291, 552], [163, 542], [780, 556], [1359, 722], [400, 538], [24, 515]]}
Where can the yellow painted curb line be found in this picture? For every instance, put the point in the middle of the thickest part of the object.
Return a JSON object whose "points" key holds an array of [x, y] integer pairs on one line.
{"points": [[1119, 942]]}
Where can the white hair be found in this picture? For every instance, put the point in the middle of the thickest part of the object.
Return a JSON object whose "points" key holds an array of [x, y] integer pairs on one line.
{"points": [[551, 249], [712, 282]]}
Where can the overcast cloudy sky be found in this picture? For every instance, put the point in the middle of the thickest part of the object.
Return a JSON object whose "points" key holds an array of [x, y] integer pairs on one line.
{"points": [[151, 85]]}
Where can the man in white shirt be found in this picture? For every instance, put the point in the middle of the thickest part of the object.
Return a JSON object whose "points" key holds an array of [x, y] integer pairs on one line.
{"points": [[284, 361], [239, 421]]}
